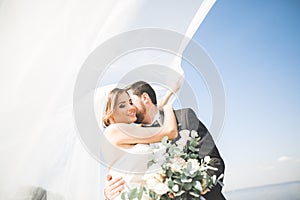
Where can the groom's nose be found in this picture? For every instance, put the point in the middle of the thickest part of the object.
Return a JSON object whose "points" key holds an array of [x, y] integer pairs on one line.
{"points": [[135, 99], [133, 105]]}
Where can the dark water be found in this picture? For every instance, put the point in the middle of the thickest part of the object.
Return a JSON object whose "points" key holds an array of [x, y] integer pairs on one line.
{"points": [[283, 191]]}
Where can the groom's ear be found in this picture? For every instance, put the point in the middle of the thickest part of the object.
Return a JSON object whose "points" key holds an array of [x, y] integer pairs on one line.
{"points": [[145, 98]]}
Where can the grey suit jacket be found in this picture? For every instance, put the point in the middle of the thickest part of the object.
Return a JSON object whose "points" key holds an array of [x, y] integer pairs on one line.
{"points": [[187, 119]]}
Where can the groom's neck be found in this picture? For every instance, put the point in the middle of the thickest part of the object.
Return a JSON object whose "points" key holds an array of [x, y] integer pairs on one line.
{"points": [[151, 113]]}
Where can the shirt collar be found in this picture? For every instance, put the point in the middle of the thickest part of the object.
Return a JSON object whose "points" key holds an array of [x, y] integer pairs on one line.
{"points": [[157, 118]]}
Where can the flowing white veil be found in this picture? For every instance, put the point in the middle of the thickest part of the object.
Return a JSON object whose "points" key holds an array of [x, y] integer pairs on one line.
{"points": [[43, 46]]}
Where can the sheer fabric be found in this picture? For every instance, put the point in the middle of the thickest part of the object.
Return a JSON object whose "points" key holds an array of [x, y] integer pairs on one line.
{"points": [[43, 45]]}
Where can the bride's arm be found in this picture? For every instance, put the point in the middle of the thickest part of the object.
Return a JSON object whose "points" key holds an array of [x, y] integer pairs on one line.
{"points": [[165, 99], [125, 134]]}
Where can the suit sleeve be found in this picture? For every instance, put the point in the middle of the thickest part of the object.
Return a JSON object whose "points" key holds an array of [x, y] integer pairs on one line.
{"points": [[207, 145]]}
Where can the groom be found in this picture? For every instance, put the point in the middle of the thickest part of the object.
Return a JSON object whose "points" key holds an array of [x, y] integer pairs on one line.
{"points": [[144, 98]]}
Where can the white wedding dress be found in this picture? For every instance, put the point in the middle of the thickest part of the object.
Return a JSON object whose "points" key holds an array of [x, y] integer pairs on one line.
{"points": [[43, 48], [132, 165]]}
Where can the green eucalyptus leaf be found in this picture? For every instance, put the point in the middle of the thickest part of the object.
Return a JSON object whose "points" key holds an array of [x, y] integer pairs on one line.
{"points": [[187, 186], [220, 182], [164, 141], [178, 181], [140, 194], [123, 196], [132, 194]]}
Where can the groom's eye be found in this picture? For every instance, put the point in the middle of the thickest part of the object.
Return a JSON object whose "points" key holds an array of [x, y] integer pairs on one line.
{"points": [[130, 102], [121, 106]]}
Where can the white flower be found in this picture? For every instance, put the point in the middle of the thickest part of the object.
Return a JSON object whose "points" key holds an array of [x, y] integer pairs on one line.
{"points": [[145, 197], [161, 189], [184, 134], [181, 143], [175, 167], [184, 137], [159, 157], [195, 165], [151, 182], [194, 134], [153, 179], [207, 159], [175, 188]]}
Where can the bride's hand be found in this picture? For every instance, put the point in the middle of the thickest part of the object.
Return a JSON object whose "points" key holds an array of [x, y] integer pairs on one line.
{"points": [[178, 85], [169, 93], [114, 187]]}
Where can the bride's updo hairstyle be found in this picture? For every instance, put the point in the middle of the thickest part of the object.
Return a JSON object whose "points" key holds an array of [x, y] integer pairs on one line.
{"points": [[111, 105]]}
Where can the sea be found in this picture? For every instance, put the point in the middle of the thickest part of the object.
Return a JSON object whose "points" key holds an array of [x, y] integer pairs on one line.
{"points": [[281, 191]]}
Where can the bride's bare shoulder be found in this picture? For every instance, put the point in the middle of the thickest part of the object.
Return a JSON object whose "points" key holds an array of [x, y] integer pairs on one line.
{"points": [[110, 129], [116, 128]]}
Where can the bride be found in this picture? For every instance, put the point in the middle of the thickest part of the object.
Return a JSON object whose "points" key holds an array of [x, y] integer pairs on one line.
{"points": [[120, 115]]}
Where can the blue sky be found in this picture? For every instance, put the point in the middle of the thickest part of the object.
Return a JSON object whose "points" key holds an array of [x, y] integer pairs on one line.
{"points": [[255, 46]]}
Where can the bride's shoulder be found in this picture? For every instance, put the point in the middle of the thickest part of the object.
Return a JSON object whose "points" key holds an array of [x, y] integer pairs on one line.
{"points": [[110, 129], [112, 133], [118, 127]]}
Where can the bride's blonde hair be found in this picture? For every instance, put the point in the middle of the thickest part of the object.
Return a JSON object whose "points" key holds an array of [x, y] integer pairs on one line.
{"points": [[111, 105]]}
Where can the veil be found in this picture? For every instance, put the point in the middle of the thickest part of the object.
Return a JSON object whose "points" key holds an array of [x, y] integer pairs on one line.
{"points": [[43, 46]]}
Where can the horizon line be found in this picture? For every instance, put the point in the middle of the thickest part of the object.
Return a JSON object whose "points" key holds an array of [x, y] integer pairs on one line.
{"points": [[260, 186]]}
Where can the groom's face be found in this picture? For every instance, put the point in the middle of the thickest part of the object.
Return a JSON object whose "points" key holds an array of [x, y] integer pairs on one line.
{"points": [[140, 107]]}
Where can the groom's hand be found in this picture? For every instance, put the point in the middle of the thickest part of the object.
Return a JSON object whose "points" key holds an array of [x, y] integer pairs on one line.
{"points": [[113, 187]]}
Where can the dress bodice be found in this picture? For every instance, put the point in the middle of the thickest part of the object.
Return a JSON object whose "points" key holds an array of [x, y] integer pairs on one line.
{"points": [[132, 165]]}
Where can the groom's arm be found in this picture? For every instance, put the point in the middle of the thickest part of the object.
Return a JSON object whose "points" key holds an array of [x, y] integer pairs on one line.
{"points": [[207, 145], [113, 187]]}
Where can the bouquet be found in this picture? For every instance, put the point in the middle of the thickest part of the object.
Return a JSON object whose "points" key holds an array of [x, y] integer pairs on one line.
{"points": [[182, 175]]}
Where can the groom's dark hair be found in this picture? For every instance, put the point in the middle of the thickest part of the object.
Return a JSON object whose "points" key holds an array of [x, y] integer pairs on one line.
{"points": [[140, 87]]}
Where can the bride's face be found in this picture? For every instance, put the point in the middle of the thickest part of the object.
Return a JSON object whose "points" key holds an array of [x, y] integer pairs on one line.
{"points": [[124, 111]]}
